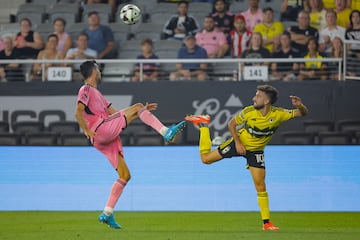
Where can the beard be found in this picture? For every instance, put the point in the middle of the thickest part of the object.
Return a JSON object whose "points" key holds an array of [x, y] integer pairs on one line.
{"points": [[259, 107]]}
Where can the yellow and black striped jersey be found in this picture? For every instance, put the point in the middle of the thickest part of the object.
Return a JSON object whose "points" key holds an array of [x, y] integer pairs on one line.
{"points": [[256, 130]]}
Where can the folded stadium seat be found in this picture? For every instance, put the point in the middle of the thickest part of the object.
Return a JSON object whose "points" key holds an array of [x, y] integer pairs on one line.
{"points": [[41, 139], [121, 31], [349, 125], [316, 126], [10, 139], [74, 29], [67, 11], [104, 10], [148, 139], [28, 127], [48, 3], [45, 29], [61, 127], [335, 138], [36, 18], [297, 138], [148, 30], [224, 71], [4, 127], [74, 139], [136, 127], [161, 17], [238, 6], [170, 45], [166, 68]]}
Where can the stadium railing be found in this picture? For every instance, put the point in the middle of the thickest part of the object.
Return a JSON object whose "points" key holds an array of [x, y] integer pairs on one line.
{"points": [[234, 68]]}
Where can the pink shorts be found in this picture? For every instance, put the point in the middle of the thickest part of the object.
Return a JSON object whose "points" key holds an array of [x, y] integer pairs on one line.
{"points": [[107, 139]]}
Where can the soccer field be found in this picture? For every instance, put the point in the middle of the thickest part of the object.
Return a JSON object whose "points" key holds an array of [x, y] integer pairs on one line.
{"points": [[35, 225]]}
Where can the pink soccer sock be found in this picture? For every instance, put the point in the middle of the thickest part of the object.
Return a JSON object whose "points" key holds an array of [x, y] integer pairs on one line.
{"points": [[148, 118], [115, 193]]}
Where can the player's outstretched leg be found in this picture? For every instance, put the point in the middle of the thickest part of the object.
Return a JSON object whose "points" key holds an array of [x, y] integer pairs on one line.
{"points": [[109, 220], [168, 133]]}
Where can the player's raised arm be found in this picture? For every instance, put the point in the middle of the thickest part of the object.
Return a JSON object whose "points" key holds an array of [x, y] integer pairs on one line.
{"points": [[301, 108], [80, 108]]}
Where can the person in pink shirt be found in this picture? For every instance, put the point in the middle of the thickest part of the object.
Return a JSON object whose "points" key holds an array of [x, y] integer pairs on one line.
{"points": [[253, 14], [213, 41], [102, 124]]}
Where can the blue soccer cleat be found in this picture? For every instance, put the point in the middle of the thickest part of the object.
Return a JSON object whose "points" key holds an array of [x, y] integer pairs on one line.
{"points": [[109, 220], [173, 131]]}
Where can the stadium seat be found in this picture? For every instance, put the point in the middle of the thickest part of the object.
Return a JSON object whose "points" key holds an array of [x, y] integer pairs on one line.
{"points": [[41, 139], [45, 29], [237, 7], [297, 138], [104, 11], [167, 45], [335, 138], [148, 30], [223, 70], [136, 127], [4, 127], [10, 139], [28, 127], [160, 17], [348, 126], [67, 11], [74, 139], [316, 126], [47, 3], [61, 127]]}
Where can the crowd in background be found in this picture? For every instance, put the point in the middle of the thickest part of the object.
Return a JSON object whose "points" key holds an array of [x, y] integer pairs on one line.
{"points": [[318, 31]]}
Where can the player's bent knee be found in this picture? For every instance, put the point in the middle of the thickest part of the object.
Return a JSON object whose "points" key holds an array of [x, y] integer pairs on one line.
{"points": [[205, 159]]}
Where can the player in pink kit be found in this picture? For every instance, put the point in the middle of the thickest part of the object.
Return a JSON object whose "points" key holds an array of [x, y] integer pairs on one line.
{"points": [[102, 124]]}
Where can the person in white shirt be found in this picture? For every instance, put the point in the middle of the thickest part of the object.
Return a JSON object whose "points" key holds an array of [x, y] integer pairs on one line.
{"points": [[82, 51], [330, 32]]}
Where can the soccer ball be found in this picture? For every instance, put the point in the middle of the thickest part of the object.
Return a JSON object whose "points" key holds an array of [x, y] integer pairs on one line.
{"points": [[130, 14]]}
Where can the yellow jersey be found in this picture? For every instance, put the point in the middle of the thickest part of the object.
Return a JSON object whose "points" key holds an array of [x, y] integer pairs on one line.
{"points": [[256, 130], [276, 28], [355, 5], [313, 64], [317, 20], [329, 4], [343, 18]]}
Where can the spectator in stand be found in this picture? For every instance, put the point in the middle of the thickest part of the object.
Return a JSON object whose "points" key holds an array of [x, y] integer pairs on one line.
{"points": [[256, 50], [81, 51], [312, 70], [301, 33], [101, 37], [181, 24], [270, 30], [113, 3], [337, 51], [214, 42], [150, 70], [330, 32], [317, 14], [285, 71], [343, 13], [239, 37], [290, 9], [10, 72], [1, 45], [65, 41], [330, 4], [253, 14], [223, 18], [49, 53], [190, 71], [27, 42], [353, 34]]}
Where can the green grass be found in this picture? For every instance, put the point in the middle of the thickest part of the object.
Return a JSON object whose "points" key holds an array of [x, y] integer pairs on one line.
{"points": [[36, 225]]}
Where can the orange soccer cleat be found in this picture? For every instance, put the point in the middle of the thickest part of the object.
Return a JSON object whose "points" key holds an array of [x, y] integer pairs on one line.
{"points": [[198, 119], [270, 226]]}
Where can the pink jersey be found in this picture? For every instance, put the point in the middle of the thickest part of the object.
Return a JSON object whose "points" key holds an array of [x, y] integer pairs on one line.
{"points": [[96, 106], [253, 19], [211, 41]]}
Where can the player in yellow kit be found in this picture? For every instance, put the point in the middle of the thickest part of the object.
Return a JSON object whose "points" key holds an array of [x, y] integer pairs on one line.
{"points": [[251, 130]]}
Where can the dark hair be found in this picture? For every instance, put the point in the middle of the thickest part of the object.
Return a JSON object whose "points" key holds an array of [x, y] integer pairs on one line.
{"points": [[147, 41], [353, 11], [52, 35], [93, 13], [286, 33], [183, 2], [83, 34], [59, 19], [268, 9], [270, 91], [27, 20], [313, 39], [87, 67]]}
